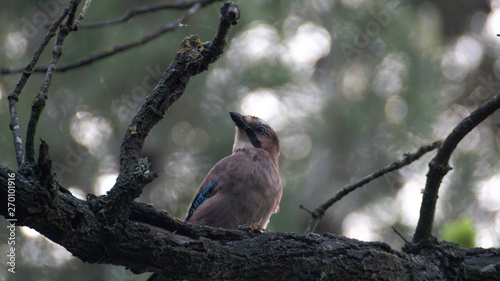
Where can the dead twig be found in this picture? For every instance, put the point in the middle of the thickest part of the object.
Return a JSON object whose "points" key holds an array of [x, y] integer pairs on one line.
{"points": [[407, 159], [93, 57], [13, 97], [132, 12], [39, 101]]}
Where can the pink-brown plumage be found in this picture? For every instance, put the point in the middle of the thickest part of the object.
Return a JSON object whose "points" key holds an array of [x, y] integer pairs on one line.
{"points": [[247, 186]]}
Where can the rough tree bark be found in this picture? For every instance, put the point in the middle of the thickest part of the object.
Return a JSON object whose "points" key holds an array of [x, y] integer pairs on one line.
{"points": [[115, 229]]}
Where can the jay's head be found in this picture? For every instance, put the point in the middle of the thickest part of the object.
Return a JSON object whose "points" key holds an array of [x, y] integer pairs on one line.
{"points": [[252, 132]]}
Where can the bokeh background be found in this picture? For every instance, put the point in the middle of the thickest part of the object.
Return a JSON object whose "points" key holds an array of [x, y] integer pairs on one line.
{"points": [[349, 85]]}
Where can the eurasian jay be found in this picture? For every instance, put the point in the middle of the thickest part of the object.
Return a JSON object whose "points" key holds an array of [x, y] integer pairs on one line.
{"points": [[243, 188]]}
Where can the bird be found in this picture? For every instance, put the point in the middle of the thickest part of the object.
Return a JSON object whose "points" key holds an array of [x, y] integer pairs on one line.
{"points": [[243, 188]]}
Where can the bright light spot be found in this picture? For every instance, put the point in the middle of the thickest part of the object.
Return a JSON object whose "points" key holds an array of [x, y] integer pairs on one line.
{"points": [[301, 102], [374, 219], [386, 83], [487, 237], [353, 83], [389, 75], [15, 45], [1, 92], [218, 79], [58, 255], [104, 183], [490, 30], [78, 193], [260, 41], [262, 103], [38, 251], [296, 147], [409, 198], [454, 66], [91, 131], [360, 226], [471, 51], [30, 232], [310, 43], [396, 109], [488, 193]]}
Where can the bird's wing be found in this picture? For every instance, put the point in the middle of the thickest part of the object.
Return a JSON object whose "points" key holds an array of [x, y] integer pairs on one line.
{"points": [[203, 194], [210, 185]]}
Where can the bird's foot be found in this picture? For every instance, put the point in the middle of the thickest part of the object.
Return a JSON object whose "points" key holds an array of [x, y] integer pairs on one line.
{"points": [[251, 228]]}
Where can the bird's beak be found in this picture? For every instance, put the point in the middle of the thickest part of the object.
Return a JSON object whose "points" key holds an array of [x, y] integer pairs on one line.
{"points": [[240, 123]]}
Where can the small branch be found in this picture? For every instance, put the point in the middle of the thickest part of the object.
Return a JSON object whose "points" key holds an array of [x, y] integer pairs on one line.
{"points": [[407, 159], [14, 95], [192, 58], [439, 167], [93, 57], [43, 170], [82, 14], [39, 101], [130, 13], [400, 235]]}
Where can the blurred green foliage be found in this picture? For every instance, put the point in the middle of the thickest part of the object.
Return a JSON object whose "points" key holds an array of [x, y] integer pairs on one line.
{"points": [[460, 231]]}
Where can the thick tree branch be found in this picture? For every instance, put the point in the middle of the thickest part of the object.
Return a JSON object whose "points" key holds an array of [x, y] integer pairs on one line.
{"points": [[439, 167], [154, 241], [407, 159]]}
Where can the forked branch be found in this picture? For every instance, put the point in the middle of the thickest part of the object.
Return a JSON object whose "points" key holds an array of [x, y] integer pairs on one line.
{"points": [[407, 159], [439, 167]]}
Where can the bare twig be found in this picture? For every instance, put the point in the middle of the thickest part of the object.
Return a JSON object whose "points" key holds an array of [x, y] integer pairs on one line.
{"points": [[82, 14], [118, 47], [130, 13], [39, 101], [400, 235], [407, 159], [14, 95], [439, 167]]}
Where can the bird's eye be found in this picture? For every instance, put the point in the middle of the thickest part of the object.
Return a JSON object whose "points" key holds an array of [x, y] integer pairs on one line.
{"points": [[261, 130]]}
